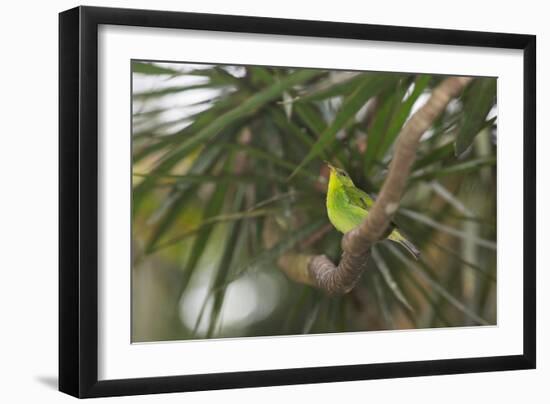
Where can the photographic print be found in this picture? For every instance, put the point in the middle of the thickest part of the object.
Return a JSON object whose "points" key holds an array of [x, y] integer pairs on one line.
{"points": [[263, 190], [252, 188]]}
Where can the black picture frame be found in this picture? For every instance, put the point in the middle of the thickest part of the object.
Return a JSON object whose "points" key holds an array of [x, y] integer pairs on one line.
{"points": [[78, 201]]}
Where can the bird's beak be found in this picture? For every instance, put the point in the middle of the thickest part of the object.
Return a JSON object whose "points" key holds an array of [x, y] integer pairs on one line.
{"points": [[330, 166]]}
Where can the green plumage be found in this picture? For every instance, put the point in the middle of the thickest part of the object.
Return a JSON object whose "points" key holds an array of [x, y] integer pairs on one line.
{"points": [[347, 207]]}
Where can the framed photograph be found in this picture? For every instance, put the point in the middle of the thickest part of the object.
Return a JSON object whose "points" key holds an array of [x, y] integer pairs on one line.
{"points": [[251, 201]]}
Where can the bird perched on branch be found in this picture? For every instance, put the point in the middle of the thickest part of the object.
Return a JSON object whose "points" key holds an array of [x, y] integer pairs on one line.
{"points": [[347, 207]]}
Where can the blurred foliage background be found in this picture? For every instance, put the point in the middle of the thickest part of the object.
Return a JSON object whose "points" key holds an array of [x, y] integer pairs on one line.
{"points": [[215, 206]]}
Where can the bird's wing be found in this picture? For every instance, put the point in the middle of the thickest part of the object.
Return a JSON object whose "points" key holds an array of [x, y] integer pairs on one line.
{"points": [[359, 197]]}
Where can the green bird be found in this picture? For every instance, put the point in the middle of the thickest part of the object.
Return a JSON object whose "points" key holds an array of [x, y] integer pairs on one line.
{"points": [[347, 207]]}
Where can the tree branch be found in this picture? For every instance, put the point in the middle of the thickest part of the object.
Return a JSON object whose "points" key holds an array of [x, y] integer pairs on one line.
{"points": [[319, 270]]}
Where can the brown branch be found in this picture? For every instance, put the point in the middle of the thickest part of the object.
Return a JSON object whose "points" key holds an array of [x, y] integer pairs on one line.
{"points": [[319, 270]]}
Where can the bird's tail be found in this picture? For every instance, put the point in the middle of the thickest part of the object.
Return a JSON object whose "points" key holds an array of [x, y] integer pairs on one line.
{"points": [[400, 239]]}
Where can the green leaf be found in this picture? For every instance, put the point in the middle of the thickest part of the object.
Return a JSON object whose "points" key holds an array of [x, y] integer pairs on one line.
{"points": [[390, 119], [419, 217], [264, 155], [288, 126], [388, 279], [312, 317], [151, 68], [264, 258], [292, 195], [478, 270], [220, 76], [271, 255], [460, 168], [177, 199], [260, 75], [213, 207], [248, 107], [201, 120], [144, 115], [452, 200], [329, 89], [435, 285], [298, 304], [234, 233], [172, 90], [368, 88], [389, 102], [383, 302], [201, 163], [170, 210], [434, 156], [172, 179], [208, 222], [399, 118], [310, 116], [434, 305], [480, 100], [157, 129]]}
